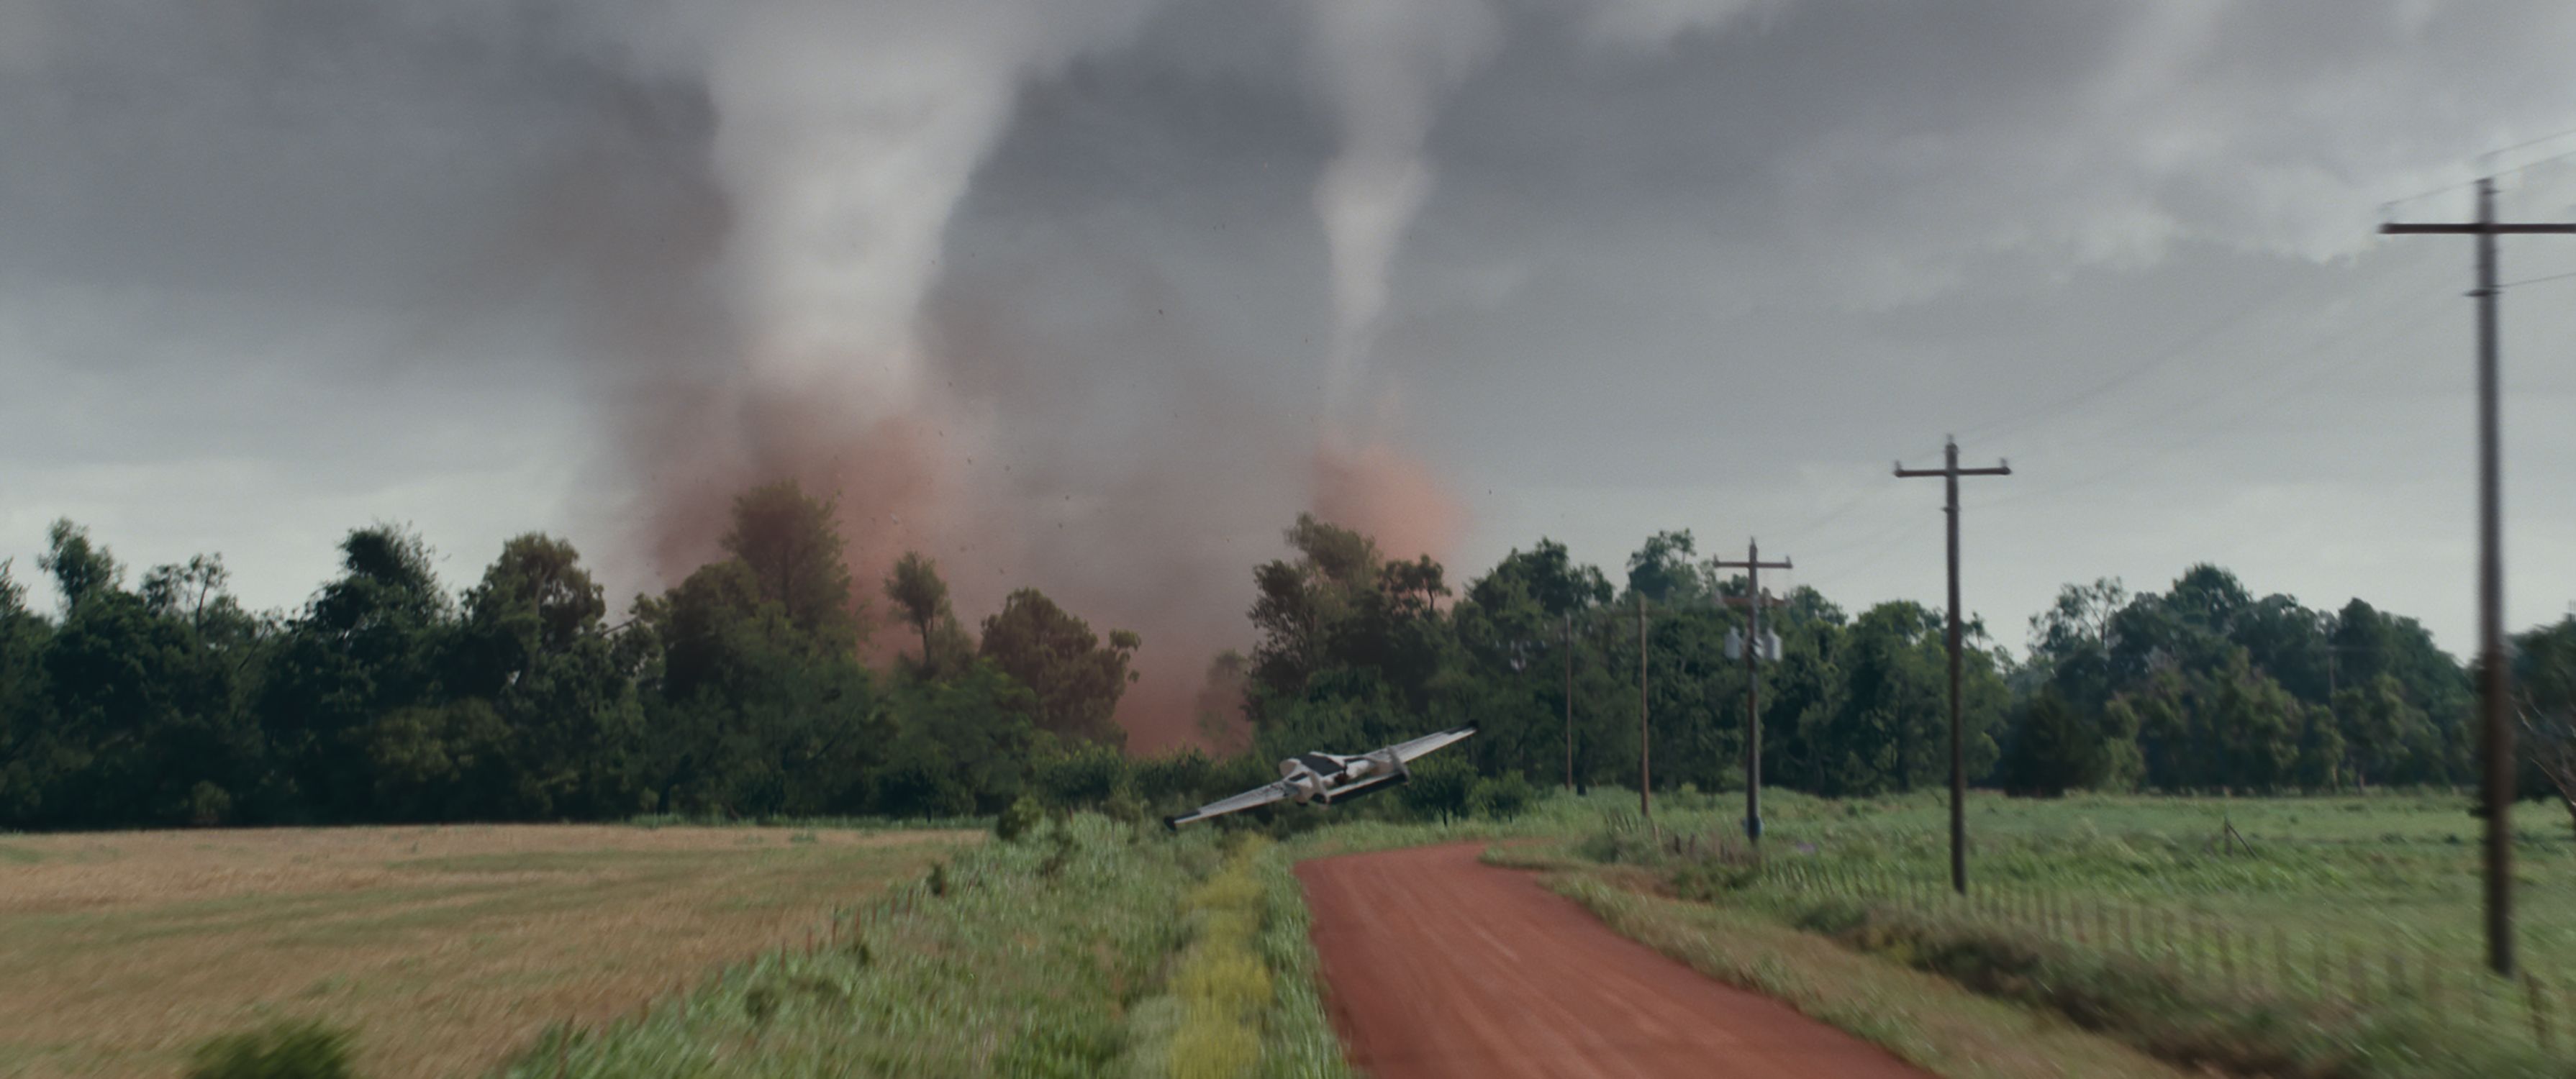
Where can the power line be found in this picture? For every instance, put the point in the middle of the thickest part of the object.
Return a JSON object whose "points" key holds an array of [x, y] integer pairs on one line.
{"points": [[2529, 144], [2537, 280], [2465, 184], [2301, 379], [2178, 348], [1864, 497], [2225, 390]]}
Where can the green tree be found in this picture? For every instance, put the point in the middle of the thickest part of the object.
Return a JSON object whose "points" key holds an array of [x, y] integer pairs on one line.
{"points": [[372, 641], [1076, 680], [2383, 734], [1440, 788], [81, 569], [143, 712], [921, 598], [532, 646], [787, 540], [1661, 569], [975, 729], [2071, 641], [756, 715], [2544, 679], [1302, 605], [31, 758], [2057, 749]]}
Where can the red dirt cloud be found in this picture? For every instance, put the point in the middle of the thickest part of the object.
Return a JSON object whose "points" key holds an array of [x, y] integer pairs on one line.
{"points": [[1390, 496]]}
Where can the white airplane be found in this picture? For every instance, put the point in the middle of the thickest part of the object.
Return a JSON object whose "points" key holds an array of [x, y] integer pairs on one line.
{"points": [[1329, 777]]}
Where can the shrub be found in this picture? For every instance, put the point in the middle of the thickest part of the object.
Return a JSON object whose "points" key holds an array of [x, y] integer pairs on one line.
{"points": [[1171, 776], [292, 1049], [1018, 819], [1439, 789], [209, 805], [1083, 776], [922, 786], [1501, 798]]}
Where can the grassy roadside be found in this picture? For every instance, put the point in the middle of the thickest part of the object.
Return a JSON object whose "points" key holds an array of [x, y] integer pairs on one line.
{"points": [[2241, 1028], [1923, 1019], [2325, 947], [1243, 999], [1087, 948]]}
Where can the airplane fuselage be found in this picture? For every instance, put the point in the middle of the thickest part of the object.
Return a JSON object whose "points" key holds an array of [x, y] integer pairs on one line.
{"points": [[1324, 776]]}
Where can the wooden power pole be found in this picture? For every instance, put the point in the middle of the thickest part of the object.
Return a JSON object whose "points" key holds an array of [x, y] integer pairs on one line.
{"points": [[1950, 473], [2494, 681], [1753, 565]]}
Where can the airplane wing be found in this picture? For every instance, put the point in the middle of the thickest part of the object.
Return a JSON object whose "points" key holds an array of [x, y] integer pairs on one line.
{"points": [[1252, 799], [1408, 751]]}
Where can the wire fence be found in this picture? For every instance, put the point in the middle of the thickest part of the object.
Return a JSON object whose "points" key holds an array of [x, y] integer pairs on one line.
{"points": [[2365, 968]]}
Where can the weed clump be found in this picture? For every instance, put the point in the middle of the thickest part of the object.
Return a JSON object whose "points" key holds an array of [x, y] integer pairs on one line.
{"points": [[1223, 985], [2235, 1031], [1016, 820], [292, 1049]]}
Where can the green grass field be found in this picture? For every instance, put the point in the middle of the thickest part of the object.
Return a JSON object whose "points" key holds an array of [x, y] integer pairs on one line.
{"points": [[2388, 875], [2351, 924], [442, 948], [1095, 948], [1087, 948]]}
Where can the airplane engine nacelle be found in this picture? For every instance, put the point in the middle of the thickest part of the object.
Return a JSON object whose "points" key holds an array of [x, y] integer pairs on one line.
{"points": [[1306, 785]]}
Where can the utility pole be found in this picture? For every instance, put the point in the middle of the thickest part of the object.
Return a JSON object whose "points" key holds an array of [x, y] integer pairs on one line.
{"points": [[1950, 473], [2493, 679], [1753, 565]]}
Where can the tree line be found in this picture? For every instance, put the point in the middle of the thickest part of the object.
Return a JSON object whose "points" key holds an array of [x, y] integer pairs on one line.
{"points": [[2204, 687], [742, 692]]}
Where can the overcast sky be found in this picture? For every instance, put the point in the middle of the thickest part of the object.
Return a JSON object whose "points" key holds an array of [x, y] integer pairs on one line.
{"points": [[270, 269]]}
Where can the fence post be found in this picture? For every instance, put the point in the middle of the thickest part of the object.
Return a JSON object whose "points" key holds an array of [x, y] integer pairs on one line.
{"points": [[2432, 972], [2281, 959], [2540, 1026]]}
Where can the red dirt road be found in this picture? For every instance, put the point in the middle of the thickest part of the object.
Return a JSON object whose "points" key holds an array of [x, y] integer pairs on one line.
{"points": [[1439, 965]]}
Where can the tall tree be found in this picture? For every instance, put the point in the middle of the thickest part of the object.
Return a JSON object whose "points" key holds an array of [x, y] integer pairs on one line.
{"points": [[921, 598], [794, 553], [2545, 688], [533, 650], [1661, 569], [81, 569], [371, 642], [1301, 604], [30, 754], [1076, 680]]}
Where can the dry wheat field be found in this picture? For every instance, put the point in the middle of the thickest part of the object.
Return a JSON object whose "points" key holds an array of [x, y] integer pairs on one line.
{"points": [[445, 947]]}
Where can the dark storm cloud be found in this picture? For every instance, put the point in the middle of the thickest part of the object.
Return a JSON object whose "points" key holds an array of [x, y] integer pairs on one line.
{"points": [[1677, 263]]}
